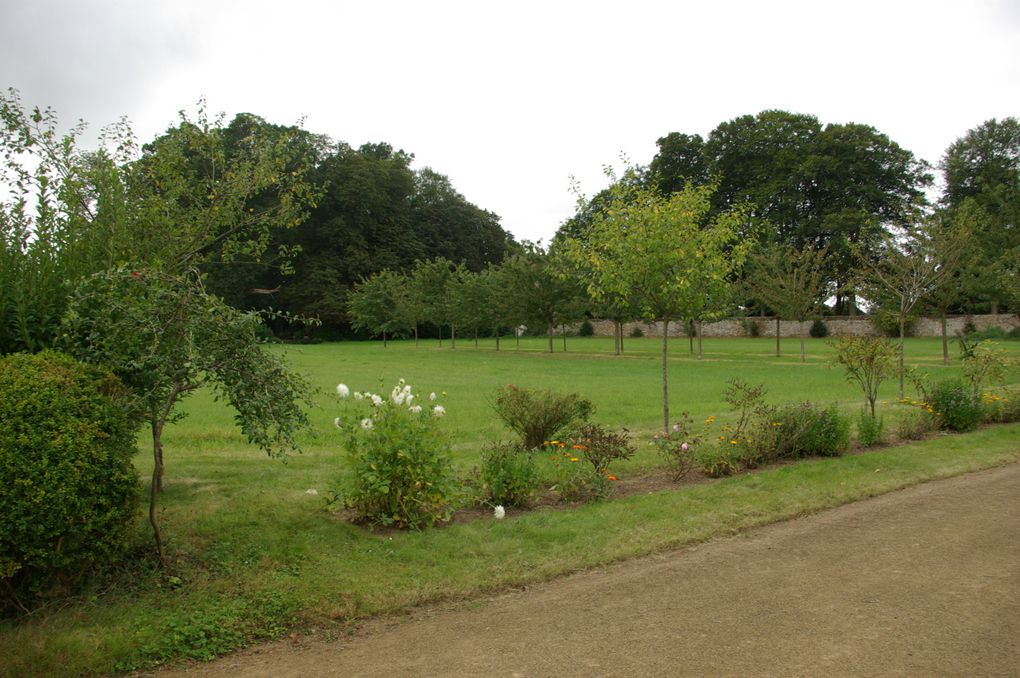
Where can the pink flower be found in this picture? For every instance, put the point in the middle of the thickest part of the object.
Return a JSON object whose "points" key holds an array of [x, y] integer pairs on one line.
{"points": [[685, 447]]}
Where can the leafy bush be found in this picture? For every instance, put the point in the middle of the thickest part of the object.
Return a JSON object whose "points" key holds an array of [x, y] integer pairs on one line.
{"points": [[636, 332], [984, 363], [508, 473], [988, 334], [586, 329], [819, 330], [677, 447], [399, 464], [538, 415], [600, 447], [869, 429], [800, 430], [1003, 407], [751, 328], [719, 461], [573, 480], [1014, 333], [69, 490], [954, 405]]}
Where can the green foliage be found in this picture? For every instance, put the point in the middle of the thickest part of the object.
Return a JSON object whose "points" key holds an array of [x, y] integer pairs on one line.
{"points": [[986, 363], [677, 447], [636, 332], [1001, 407], [67, 435], [377, 304], [954, 405], [509, 475], [586, 329], [819, 330], [867, 362], [916, 425], [538, 415], [600, 447], [573, 480], [869, 429], [398, 463]]}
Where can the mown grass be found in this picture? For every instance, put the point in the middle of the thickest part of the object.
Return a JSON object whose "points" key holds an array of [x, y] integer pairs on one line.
{"points": [[254, 555]]}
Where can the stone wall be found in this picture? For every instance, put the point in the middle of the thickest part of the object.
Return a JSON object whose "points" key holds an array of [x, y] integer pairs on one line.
{"points": [[838, 326]]}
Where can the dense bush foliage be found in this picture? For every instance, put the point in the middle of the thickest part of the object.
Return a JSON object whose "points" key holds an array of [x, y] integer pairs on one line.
{"points": [[537, 415], [819, 330], [69, 490], [869, 429], [586, 329], [399, 472], [954, 405], [1002, 407], [508, 474]]}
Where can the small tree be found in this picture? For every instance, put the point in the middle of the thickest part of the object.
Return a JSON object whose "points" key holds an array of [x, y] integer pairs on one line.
{"points": [[791, 282], [165, 338], [541, 291], [377, 304], [867, 362], [661, 252]]}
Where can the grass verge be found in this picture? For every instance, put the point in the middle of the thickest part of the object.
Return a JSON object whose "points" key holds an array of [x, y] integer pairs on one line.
{"points": [[331, 574]]}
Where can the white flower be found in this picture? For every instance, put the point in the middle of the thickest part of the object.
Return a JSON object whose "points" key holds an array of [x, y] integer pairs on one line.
{"points": [[401, 382], [397, 397], [314, 492], [366, 424], [407, 389], [336, 422], [342, 390], [415, 409], [432, 396], [409, 399], [377, 401], [358, 395], [499, 513], [438, 410]]}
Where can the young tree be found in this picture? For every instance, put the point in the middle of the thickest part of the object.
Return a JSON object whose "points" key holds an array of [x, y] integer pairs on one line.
{"points": [[431, 281], [867, 362], [165, 337], [657, 251], [906, 271], [539, 292], [377, 304], [789, 281]]}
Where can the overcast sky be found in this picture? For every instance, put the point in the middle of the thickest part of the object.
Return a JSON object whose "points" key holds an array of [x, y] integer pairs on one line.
{"points": [[510, 99]]}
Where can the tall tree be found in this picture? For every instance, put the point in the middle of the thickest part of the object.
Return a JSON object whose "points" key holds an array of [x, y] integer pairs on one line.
{"points": [[983, 166], [377, 304], [539, 291], [655, 250]]}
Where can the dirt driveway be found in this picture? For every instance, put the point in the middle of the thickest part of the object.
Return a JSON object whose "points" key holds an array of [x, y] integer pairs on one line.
{"points": [[921, 582]]}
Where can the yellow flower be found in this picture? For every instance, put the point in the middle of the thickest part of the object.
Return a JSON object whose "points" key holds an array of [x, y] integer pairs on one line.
{"points": [[574, 459], [733, 442]]}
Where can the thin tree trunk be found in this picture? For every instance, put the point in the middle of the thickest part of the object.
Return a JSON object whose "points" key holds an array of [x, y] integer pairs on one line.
{"points": [[945, 341], [453, 335], [384, 339], [416, 335], [902, 334], [802, 342], [699, 339], [563, 331], [517, 333], [497, 337], [476, 338], [665, 376], [777, 337], [690, 334], [621, 337], [617, 336], [549, 335], [157, 470], [440, 336]]}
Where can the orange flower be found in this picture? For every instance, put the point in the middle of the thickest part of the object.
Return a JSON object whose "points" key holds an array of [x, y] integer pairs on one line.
{"points": [[611, 477]]}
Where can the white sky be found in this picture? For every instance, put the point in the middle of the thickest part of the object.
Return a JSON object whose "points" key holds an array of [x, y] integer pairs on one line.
{"points": [[511, 98]]}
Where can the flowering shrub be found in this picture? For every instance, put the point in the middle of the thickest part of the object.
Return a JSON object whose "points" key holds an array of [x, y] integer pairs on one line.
{"points": [[574, 480], [508, 474], [677, 446], [600, 447], [954, 405], [1003, 407], [399, 465], [536, 415], [916, 425]]}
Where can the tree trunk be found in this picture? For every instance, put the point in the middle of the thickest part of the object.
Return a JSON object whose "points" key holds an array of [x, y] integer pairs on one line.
{"points": [[476, 338], [549, 335], [416, 335], [384, 339], [690, 334], [157, 474], [621, 337], [453, 335], [440, 336], [563, 331], [517, 333], [617, 336], [665, 377], [902, 334], [497, 338], [945, 341], [777, 337], [802, 341], [699, 339]]}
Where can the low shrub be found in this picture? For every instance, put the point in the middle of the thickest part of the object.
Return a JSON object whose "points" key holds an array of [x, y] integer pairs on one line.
{"points": [[399, 465], [869, 429], [916, 425], [509, 477], [819, 330], [718, 461], [804, 430], [636, 332], [1002, 407], [573, 480], [600, 447], [677, 446], [586, 329], [954, 405], [538, 415], [68, 489]]}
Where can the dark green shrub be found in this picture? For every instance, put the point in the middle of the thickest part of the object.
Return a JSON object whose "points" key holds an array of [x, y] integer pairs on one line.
{"points": [[819, 330], [69, 490], [586, 329], [508, 474], [869, 429], [954, 405], [1014, 333], [990, 333], [636, 332], [538, 415]]}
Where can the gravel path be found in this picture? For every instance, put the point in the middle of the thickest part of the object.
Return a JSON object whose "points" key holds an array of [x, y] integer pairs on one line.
{"points": [[920, 582]]}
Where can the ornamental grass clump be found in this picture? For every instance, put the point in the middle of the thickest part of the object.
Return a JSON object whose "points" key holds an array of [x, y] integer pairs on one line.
{"points": [[538, 415], [399, 465]]}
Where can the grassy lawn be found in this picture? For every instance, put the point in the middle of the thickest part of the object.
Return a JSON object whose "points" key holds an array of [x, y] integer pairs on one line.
{"points": [[255, 555]]}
